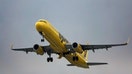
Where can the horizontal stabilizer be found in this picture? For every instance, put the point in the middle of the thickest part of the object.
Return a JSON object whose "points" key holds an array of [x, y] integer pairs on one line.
{"points": [[90, 64], [70, 65], [96, 63]]}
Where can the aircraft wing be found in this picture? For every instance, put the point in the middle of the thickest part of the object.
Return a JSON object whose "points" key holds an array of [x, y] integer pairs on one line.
{"points": [[92, 47], [45, 49], [95, 47], [24, 49]]}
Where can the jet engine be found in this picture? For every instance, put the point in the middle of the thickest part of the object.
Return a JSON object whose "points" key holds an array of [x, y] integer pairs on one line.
{"points": [[38, 49], [77, 47]]}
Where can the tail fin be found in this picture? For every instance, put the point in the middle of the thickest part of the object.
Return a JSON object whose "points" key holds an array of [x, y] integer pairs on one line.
{"points": [[85, 55]]}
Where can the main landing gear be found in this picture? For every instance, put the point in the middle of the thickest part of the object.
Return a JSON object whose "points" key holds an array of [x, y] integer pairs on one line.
{"points": [[49, 59], [75, 58], [42, 40]]}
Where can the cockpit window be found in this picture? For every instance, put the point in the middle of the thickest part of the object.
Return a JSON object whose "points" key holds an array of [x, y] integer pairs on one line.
{"points": [[41, 20]]}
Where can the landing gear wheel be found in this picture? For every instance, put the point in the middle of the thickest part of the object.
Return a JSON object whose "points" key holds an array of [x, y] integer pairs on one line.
{"points": [[50, 59], [75, 58], [42, 40]]}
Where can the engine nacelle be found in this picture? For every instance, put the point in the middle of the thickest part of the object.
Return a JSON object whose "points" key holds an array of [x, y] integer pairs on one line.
{"points": [[77, 47], [38, 49]]}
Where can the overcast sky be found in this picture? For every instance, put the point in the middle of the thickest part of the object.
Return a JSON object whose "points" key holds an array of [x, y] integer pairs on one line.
{"points": [[92, 21]]}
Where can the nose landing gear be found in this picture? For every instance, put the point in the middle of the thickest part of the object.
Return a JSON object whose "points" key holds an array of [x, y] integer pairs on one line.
{"points": [[42, 34], [49, 59]]}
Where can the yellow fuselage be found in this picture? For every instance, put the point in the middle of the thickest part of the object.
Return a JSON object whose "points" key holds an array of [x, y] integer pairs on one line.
{"points": [[58, 44]]}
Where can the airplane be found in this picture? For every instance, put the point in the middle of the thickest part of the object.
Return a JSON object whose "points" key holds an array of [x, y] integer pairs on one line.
{"points": [[75, 53]]}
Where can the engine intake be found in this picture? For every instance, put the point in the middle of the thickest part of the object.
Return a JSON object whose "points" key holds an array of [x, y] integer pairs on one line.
{"points": [[38, 49], [36, 46], [77, 47], [74, 45]]}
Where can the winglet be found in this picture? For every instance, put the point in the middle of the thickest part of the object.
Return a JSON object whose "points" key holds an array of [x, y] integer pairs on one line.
{"points": [[11, 46], [128, 41]]}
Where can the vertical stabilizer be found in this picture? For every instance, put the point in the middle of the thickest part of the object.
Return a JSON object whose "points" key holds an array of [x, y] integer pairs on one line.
{"points": [[86, 55]]}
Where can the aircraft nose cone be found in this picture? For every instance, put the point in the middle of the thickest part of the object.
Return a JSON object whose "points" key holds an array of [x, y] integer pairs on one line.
{"points": [[39, 26]]}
